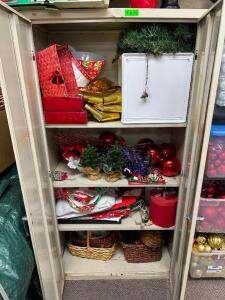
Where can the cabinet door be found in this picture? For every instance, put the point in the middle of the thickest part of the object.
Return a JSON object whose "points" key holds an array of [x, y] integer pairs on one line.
{"points": [[22, 100], [210, 40]]}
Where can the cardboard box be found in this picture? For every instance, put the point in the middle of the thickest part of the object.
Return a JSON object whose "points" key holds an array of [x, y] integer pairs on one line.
{"points": [[6, 150]]}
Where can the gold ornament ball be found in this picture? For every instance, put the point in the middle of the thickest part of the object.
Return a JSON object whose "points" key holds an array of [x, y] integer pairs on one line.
{"points": [[208, 249], [201, 248], [210, 259], [198, 273], [223, 246], [215, 241], [194, 264], [195, 258], [201, 239]]}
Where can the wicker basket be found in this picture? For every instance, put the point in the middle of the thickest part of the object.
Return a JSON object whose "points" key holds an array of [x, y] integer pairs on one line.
{"points": [[99, 242], [151, 239], [137, 252], [91, 252]]}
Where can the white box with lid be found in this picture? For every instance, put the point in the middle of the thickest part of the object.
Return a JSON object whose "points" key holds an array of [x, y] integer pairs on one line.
{"points": [[167, 80]]}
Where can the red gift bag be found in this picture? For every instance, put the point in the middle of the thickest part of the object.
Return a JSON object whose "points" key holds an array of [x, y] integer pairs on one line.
{"points": [[143, 3], [56, 73]]}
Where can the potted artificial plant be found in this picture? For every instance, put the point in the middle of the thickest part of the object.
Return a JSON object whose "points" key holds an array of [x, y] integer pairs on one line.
{"points": [[112, 165], [90, 162]]}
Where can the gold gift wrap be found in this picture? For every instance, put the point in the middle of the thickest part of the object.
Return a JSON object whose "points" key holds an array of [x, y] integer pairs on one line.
{"points": [[102, 116], [108, 108], [104, 100]]}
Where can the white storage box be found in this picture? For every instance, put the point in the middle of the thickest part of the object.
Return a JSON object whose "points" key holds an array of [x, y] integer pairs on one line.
{"points": [[207, 264], [168, 87]]}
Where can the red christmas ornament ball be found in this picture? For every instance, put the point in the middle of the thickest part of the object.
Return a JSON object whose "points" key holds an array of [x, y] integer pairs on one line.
{"points": [[170, 167], [153, 155], [211, 172], [210, 213], [143, 145], [212, 156], [79, 148], [209, 190], [221, 169], [220, 223], [121, 141], [167, 150], [107, 138]]}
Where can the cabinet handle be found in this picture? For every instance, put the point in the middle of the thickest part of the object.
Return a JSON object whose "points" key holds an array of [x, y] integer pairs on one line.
{"points": [[200, 218]]}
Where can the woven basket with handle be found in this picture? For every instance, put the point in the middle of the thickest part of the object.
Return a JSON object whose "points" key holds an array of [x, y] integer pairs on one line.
{"points": [[151, 239], [136, 252], [97, 242], [92, 252]]}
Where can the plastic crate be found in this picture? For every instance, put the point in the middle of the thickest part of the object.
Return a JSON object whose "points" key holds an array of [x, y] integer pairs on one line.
{"points": [[211, 216], [205, 265], [215, 165]]}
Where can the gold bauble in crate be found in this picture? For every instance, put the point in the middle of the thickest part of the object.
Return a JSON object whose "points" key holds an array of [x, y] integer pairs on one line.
{"points": [[223, 246], [197, 273], [194, 264], [201, 239], [215, 241], [200, 248], [210, 259], [195, 258], [208, 249]]}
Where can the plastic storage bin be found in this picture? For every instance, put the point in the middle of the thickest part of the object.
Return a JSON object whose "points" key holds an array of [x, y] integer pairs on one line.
{"points": [[220, 98], [162, 78], [215, 165], [207, 264], [211, 216]]}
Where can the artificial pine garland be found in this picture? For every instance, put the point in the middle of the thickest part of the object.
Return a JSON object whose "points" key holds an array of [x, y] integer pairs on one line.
{"points": [[157, 39]]}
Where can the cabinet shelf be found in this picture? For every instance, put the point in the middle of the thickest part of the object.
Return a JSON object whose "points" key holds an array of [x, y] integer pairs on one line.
{"points": [[80, 180], [133, 222], [116, 124], [41, 16], [76, 268]]}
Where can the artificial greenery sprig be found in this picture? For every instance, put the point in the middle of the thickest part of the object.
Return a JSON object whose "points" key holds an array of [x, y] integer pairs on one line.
{"points": [[157, 39]]}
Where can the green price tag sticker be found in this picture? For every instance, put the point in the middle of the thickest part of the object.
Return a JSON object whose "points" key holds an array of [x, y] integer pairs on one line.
{"points": [[131, 12]]}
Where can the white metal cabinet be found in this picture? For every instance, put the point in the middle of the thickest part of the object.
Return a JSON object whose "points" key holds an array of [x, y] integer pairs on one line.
{"points": [[215, 56], [20, 94], [29, 136]]}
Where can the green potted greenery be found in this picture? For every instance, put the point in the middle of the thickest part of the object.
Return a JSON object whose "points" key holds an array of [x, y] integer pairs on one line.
{"points": [[112, 164], [91, 162]]}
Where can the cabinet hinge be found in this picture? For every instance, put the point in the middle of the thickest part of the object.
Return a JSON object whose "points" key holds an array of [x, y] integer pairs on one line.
{"points": [[196, 54], [33, 56]]}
